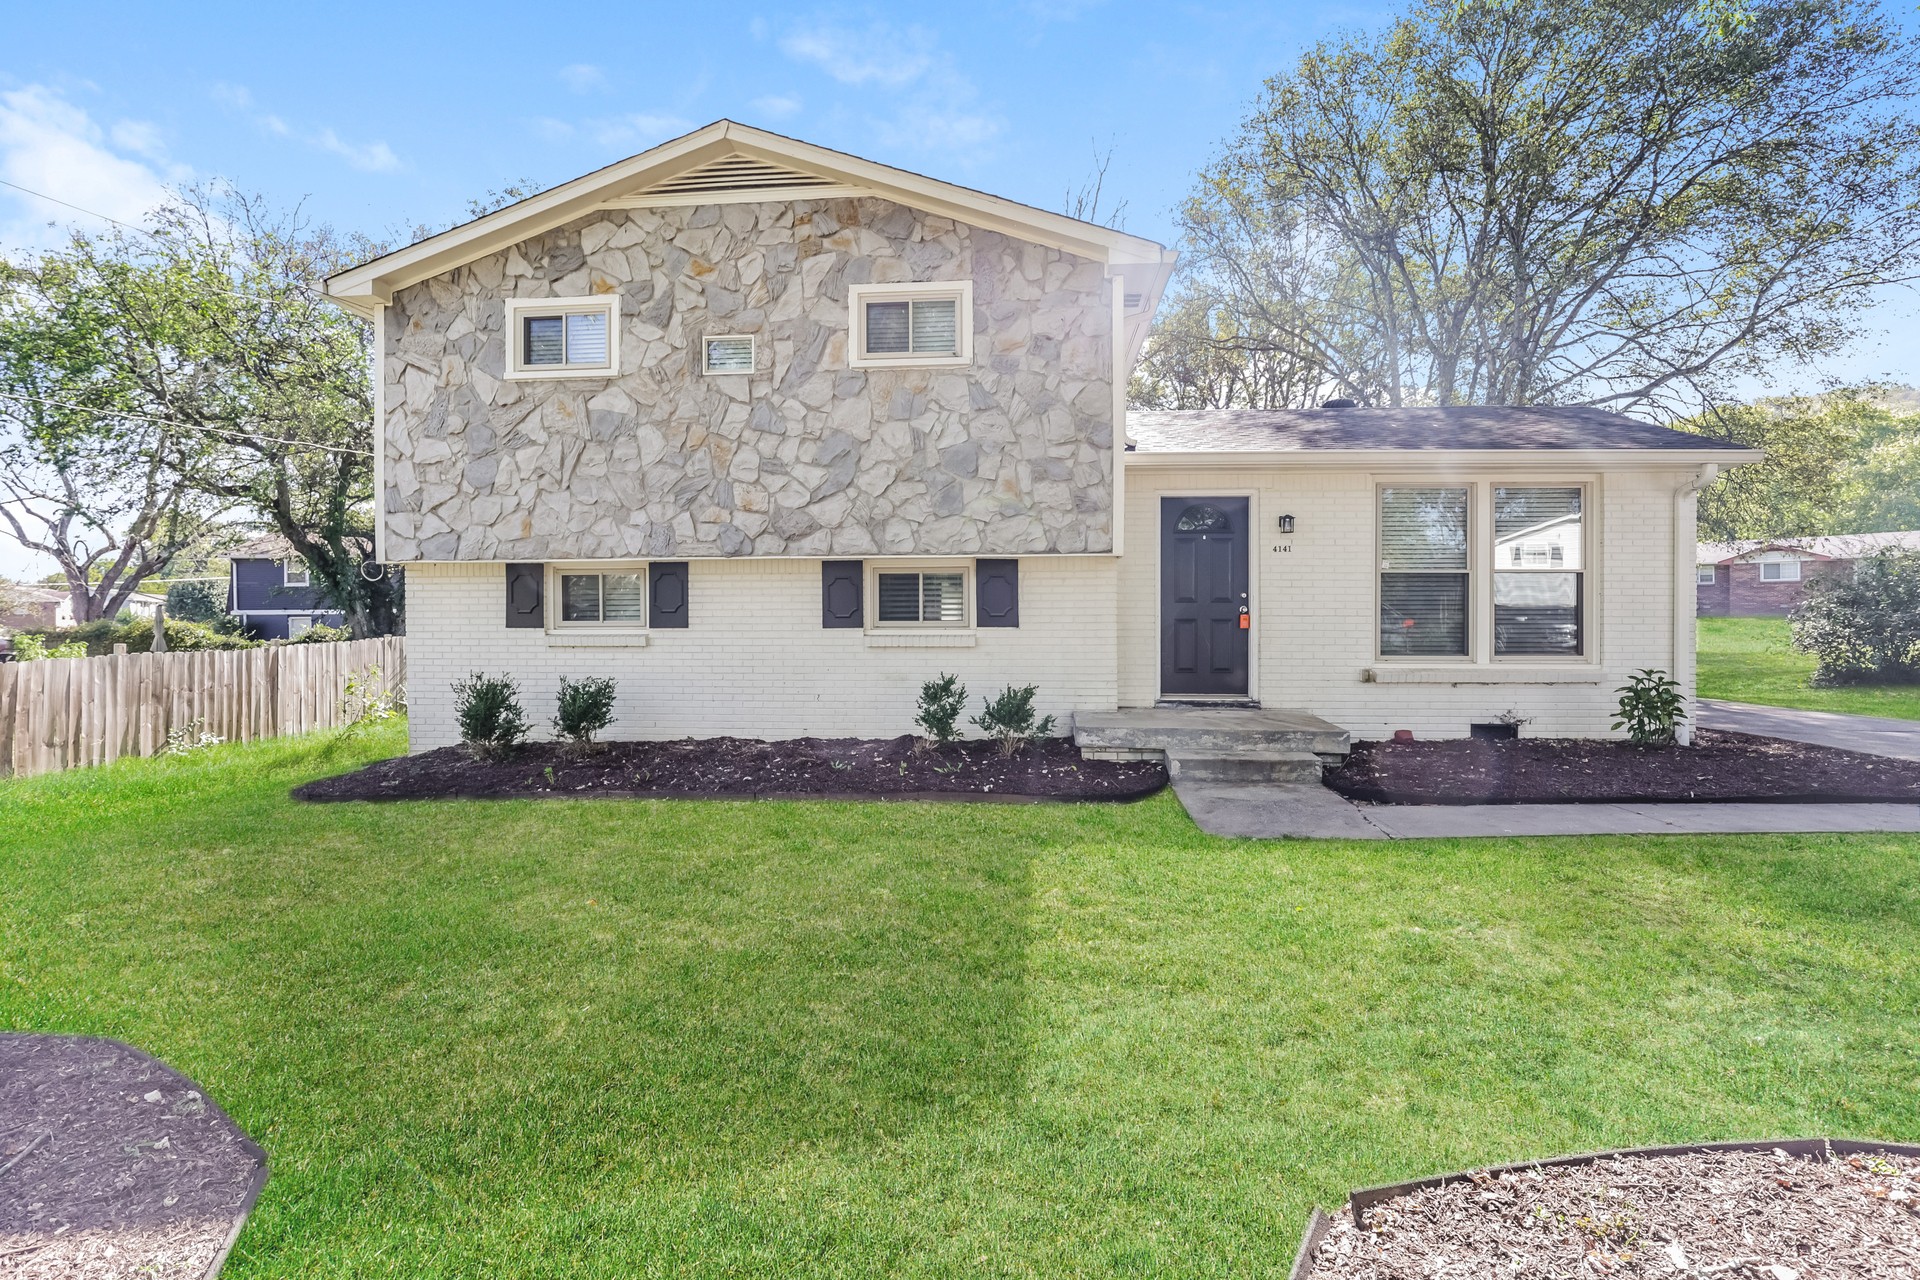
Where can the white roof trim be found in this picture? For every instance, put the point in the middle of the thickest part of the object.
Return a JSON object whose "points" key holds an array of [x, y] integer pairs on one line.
{"points": [[1461, 460], [709, 151]]}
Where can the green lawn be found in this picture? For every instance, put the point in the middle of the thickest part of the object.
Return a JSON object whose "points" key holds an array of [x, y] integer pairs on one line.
{"points": [[701, 1039], [1753, 660]]}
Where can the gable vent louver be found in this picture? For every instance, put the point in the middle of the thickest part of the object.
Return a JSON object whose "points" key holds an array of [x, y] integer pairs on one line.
{"points": [[736, 173]]}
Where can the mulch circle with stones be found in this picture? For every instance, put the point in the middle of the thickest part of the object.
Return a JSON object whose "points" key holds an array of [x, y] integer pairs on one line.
{"points": [[746, 768], [1737, 1214], [113, 1164], [1718, 766]]}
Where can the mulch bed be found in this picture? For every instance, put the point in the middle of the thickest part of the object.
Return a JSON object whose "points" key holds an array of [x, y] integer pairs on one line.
{"points": [[1743, 1215], [745, 768], [1718, 766], [113, 1164]]}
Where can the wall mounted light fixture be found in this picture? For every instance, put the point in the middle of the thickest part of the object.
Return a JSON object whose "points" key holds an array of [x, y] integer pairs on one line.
{"points": [[1286, 524]]}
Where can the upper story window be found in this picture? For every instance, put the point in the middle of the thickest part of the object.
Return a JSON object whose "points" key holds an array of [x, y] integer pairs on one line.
{"points": [[1779, 571], [294, 573], [912, 324], [1423, 572], [563, 337]]}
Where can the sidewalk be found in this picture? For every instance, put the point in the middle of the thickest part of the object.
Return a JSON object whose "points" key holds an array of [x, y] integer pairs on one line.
{"points": [[1311, 811], [1875, 735]]}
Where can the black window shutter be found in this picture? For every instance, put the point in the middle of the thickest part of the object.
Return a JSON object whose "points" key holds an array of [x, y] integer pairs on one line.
{"points": [[668, 604], [525, 582], [842, 583], [996, 592]]}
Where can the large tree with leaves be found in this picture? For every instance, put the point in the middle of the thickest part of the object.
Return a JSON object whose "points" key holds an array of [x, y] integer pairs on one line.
{"points": [[1628, 203]]}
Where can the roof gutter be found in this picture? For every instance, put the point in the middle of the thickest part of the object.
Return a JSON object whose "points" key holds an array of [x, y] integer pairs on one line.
{"points": [[1448, 460]]}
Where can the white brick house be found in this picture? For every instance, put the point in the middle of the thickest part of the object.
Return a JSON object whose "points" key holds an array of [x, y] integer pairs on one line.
{"points": [[772, 434]]}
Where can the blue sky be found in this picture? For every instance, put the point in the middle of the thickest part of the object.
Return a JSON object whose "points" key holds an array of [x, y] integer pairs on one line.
{"points": [[377, 117]]}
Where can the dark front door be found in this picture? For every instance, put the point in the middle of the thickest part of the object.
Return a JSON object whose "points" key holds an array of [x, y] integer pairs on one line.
{"points": [[1204, 623]]}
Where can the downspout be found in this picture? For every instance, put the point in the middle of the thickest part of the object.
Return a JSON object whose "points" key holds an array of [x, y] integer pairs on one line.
{"points": [[1685, 590]]}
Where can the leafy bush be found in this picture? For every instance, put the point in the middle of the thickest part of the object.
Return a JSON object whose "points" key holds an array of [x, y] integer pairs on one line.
{"points": [[586, 708], [98, 638], [1864, 629], [487, 709], [1009, 718], [28, 647], [196, 602], [1651, 708], [941, 703], [366, 701], [318, 633]]}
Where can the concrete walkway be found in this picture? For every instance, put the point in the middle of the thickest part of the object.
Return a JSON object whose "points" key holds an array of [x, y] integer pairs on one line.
{"points": [[1310, 811], [1875, 735]]}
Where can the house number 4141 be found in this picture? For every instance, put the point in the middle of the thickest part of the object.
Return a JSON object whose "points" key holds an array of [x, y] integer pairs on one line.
{"points": [[1284, 548]]}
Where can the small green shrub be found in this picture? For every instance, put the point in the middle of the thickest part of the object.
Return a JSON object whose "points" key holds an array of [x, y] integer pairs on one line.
{"points": [[1864, 629], [1651, 708], [1009, 718], [196, 602], [487, 709], [586, 708], [366, 701], [28, 647], [942, 702], [318, 633], [185, 739]]}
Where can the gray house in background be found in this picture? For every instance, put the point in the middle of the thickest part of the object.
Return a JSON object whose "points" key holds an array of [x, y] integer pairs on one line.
{"points": [[269, 591]]}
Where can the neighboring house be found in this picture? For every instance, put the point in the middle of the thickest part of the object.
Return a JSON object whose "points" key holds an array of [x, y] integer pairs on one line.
{"points": [[269, 590], [142, 604], [38, 609], [1761, 579], [772, 434]]}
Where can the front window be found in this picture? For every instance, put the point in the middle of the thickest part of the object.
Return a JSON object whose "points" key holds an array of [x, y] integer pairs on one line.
{"points": [[1537, 571], [928, 324], [1704, 575], [932, 598], [1779, 571], [618, 599], [562, 337], [1423, 572]]}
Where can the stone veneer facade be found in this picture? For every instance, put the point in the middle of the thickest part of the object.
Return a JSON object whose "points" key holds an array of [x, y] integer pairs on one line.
{"points": [[1012, 454]]}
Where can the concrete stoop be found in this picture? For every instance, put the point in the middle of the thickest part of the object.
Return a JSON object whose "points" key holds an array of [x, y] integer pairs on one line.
{"points": [[1216, 744]]}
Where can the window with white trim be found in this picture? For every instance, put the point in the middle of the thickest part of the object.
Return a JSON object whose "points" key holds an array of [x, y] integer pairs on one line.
{"points": [[912, 324], [294, 573], [298, 624], [921, 597], [1423, 572], [1538, 578], [563, 337], [1779, 571], [601, 598], [1704, 575], [727, 353]]}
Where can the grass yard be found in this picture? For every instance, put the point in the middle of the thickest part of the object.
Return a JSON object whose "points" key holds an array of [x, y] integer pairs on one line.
{"points": [[1753, 660], [555, 1038]]}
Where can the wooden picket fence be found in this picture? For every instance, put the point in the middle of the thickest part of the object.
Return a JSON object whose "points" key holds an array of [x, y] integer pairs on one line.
{"points": [[64, 713]]}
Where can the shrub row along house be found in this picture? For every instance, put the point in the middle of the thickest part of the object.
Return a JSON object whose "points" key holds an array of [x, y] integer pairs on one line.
{"points": [[1769, 578], [773, 433]]}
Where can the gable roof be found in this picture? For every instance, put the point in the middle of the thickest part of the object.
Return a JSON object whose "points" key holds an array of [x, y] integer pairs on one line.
{"points": [[1419, 430], [731, 161], [1828, 546]]}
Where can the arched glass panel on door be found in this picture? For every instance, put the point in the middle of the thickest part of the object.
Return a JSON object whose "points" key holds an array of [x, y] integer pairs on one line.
{"points": [[1203, 517]]}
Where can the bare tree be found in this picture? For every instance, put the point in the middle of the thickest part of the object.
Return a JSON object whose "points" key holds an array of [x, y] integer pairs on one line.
{"points": [[1083, 202]]}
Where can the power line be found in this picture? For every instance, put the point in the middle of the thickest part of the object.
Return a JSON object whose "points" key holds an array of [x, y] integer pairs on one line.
{"points": [[186, 426]]}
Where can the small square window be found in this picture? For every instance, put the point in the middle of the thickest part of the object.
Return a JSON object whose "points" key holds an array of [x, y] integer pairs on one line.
{"points": [[294, 573], [298, 625], [1704, 575], [935, 599], [729, 353], [914, 324], [562, 337]]}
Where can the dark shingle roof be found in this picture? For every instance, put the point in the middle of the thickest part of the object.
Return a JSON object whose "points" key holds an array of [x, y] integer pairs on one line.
{"points": [[1463, 427]]}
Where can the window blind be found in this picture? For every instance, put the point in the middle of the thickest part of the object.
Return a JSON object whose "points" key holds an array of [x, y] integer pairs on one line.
{"points": [[923, 597], [546, 341], [889, 327], [1423, 578], [1423, 614], [918, 326], [935, 331], [624, 598], [1423, 530], [730, 355], [587, 338], [579, 597]]}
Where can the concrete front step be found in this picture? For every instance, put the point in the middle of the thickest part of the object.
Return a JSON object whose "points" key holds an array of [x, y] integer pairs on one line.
{"points": [[1218, 732], [1244, 764]]}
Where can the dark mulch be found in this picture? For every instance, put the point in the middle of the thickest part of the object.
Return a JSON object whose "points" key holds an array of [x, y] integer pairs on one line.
{"points": [[1748, 1215], [1718, 766], [114, 1164], [745, 768]]}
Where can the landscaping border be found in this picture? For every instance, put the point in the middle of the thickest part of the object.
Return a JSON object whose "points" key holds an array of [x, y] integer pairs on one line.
{"points": [[823, 797], [1365, 1198]]}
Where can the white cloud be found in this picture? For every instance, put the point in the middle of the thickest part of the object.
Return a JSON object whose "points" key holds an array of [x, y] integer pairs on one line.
{"points": [[52, 146], [583, 77], [881, 55], [776, 106], [368, 157], [639, 130]]}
